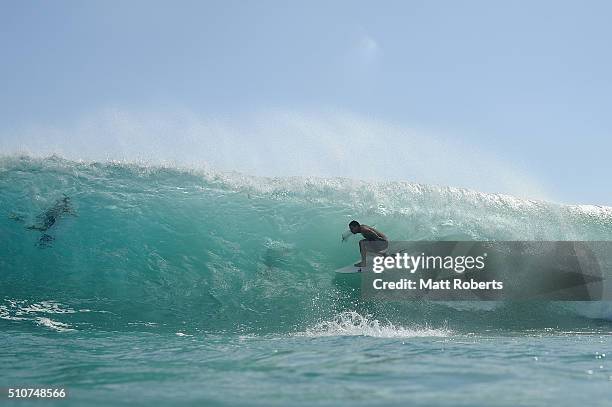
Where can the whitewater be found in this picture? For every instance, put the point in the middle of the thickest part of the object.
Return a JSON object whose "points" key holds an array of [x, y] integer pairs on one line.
{"points": [[171, 279]]}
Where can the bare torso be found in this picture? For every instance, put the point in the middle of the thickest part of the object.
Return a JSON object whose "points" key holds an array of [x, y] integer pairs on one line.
{"points": [[369, 233]]}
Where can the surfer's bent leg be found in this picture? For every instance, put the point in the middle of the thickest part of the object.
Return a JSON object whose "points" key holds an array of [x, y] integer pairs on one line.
{"points": [[362, 250], [380, 247]]}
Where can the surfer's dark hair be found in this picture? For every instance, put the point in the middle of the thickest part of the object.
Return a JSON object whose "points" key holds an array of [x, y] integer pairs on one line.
{"points": [[354, 223]]}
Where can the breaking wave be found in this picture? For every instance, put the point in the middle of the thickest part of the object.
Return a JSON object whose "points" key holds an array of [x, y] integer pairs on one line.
{"points": [[117, 246]]}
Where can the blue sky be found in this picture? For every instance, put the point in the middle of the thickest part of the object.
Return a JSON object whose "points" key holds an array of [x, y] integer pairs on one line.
{"points": [[525, 82]]}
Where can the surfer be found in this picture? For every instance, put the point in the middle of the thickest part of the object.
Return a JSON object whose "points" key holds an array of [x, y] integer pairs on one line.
{"points": [[48, 219], [50, 216], [377, 241]]}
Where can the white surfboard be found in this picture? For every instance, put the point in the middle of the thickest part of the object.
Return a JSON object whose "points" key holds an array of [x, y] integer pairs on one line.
{"points": [[349, 270], [352, 269]]}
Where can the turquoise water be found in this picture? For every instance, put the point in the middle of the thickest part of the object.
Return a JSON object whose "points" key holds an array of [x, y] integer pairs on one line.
{"points": [[159, 285]]}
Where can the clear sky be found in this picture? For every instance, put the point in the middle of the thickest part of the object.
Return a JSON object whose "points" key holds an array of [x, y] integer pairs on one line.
{"points": [[526, 82]]}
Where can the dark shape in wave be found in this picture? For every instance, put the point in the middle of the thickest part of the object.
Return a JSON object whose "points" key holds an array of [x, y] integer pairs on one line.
{"points": [[48, 219]]}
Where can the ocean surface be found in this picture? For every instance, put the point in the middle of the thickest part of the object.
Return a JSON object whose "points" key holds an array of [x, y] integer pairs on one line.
{"points": [[131, 284]]}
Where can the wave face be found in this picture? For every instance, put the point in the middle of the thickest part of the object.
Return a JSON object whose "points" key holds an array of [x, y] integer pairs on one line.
{"points": [[140, 247]]}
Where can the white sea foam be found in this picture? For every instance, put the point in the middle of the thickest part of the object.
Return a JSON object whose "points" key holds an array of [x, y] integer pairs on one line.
{"points": [[55, 325], [23, 310], [352, 323], [48, 307]]}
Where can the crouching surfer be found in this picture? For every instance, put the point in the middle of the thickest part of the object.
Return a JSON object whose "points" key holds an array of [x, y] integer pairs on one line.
{"points": [[377, 241]]}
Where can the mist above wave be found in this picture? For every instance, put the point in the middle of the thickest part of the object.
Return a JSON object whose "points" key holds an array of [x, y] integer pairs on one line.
{"points": [[277, 143]]}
